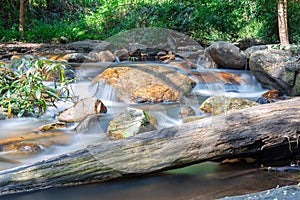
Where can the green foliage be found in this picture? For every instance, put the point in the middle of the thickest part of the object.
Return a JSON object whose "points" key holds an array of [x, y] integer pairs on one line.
{"points": [[23, 90], [205, 20]]}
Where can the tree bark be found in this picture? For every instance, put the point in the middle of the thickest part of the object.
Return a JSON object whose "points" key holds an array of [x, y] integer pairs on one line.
{"points": [[247, 132], [22, 18], [283, 22]]}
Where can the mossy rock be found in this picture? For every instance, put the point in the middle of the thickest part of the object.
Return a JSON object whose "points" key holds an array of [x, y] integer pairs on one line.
{"points": [[130, 122], [220, 104]]}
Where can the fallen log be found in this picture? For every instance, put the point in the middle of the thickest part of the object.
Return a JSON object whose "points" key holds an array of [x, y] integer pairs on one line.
{"points": [[246, 132]]}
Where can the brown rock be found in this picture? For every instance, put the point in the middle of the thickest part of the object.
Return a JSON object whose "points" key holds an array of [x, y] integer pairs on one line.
{"points": [[169, 56], [146, 83], [273, 94], [218, 77], [122, 54], [82, 109], [186, 111], [183, 64], [106, 56]]}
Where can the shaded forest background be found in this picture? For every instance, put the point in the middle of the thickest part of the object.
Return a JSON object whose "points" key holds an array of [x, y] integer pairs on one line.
{"points": [[203, 20]]}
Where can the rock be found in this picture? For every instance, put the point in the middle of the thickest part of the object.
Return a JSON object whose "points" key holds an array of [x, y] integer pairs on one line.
{"points": [[89, 123], [75, 57], [25, 147], [263, 100], [186, 111], [185, 65], [122, 54], [130, 122], [248, 43], [82, 109], [155, 38], [296, 87], [146, 83], [253, 49], [88, 45], [227, 55], [218, 77], [169, 56], [269, 67], [220, 104], [105, 56], [52, 126], [273, 94], [205, 60]]}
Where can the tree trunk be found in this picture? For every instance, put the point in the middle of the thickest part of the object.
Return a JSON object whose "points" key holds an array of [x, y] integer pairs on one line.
{"points": [[249, 132], [22, 18], [283, 22]]}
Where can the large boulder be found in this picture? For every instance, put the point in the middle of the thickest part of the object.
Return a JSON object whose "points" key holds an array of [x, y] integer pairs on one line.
{"points": [[82, 109], [272, 69], [130, 122], [146, 83], [227, 55], [220, 104]]}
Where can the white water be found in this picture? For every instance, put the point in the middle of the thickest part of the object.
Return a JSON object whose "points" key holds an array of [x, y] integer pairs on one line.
{"points": [[167, 114]]}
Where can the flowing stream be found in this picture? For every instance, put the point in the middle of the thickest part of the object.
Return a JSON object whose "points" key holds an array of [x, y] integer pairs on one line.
{"points": [[202, 181]]}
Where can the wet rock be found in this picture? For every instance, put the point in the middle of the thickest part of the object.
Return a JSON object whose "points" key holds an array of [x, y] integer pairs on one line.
{"points": [[146, 83], [219, 77], [263, 100], [106, 56], [169, 56], [220, 104], [273, 94], [201, 57], [89, 123], [185, 65], [52, 126], [186, 111], [25, 147], [270, 69], [130, 122], [122, 54], [227, 55], [82, 109], [73, 57]]}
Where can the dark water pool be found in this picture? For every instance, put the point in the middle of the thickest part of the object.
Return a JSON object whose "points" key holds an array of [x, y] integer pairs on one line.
{"points": [[203, 181]]}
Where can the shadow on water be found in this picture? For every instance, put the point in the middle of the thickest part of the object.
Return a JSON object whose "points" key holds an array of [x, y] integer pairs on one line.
{"points": [[202, 181]]}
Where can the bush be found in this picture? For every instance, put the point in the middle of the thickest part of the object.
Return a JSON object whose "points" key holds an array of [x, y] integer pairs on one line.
{"points": [[204, 20], [22, 86]]}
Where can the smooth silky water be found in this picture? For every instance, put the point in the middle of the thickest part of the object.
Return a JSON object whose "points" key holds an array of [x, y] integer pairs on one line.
{"points": [[202, 181]]}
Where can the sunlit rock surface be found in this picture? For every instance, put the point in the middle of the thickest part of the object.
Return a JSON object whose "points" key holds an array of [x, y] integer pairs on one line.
{"points": [[82, 109], [220, 104], [146, 83]]}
